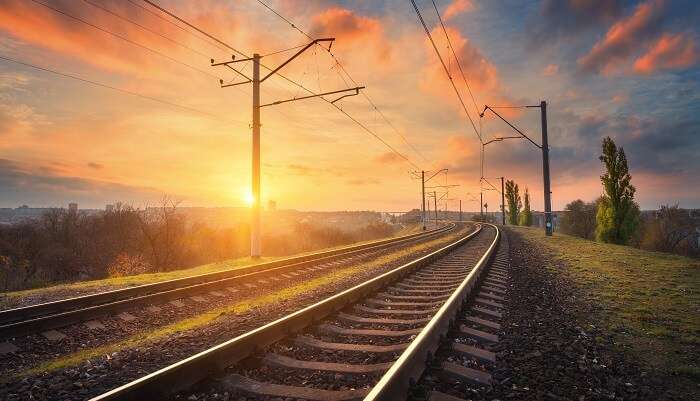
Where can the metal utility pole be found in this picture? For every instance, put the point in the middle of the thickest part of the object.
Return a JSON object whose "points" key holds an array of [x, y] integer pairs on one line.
{"points": [[255, 246], [460, 210], [256, 80], [422, 185], [423, 180], [481, 203], [503, 202], [435, 206], [548, 225]]}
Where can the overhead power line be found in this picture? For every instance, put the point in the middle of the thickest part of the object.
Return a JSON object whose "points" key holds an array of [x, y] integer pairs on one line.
{"points": [[342, 68], [124, 91], [454, 54], [239, 52], [444, 66], [124, 38]]}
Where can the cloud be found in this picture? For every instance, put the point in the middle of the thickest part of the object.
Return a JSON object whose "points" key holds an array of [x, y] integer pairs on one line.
{"points": [[479, 71], [669, 52], [351, 30], [458, 7], [623, 38], [550, 70], [96, 166], [566, 18], [44, 184], [363, 181], [389, 158]]}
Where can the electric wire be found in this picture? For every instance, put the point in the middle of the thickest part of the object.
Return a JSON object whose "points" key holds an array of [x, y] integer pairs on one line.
{"points": [[342, 68], [210, 36], [124, 91], [459, 65], [444, 66], [124, 38], [123, 18]]}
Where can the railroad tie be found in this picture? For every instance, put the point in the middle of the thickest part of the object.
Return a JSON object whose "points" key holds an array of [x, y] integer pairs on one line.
{"points": [[495, 297], [287, 362], [438, 396], [487, 311], [484, 322], [470, 375], [279, 390], [393, 311], [478, 335], [378, 349], [368, 332], [473, 352], [488, 302], [360, 319]]}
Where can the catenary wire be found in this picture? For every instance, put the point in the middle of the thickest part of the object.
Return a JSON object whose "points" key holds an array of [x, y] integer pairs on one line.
{"points": [[342, 68], [124, 91], [442, 61]]}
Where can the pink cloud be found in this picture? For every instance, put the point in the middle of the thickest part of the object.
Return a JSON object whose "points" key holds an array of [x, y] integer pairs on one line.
{"points": [[458, 7], [623, 38], [668, 52]]}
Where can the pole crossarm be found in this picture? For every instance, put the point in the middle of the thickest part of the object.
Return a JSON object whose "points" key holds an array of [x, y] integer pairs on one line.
{"points": [[511, 125], [356, 89], [297, 54], [436, 173], [501, 138], [443, 186]]}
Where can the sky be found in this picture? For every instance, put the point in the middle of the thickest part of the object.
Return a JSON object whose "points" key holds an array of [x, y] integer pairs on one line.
{"points": [[141, 114]]}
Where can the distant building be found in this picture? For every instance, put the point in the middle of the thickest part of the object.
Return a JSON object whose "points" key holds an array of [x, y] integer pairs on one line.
{"points": [[271, 206], [109, 208], [72, 207]]}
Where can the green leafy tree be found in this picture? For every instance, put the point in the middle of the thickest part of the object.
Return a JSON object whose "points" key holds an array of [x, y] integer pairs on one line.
{"points": [[525, 218], [579, 218], [514, 202], [617, 218]]}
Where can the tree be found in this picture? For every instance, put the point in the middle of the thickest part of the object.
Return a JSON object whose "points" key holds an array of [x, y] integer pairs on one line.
{"points": [[514, 202], [579, 218], [669, 231], [618, 215], [526, 215]]}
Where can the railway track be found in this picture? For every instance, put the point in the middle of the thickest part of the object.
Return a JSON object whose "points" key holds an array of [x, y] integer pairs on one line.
{"points": [[373, 341], [44, 317]]}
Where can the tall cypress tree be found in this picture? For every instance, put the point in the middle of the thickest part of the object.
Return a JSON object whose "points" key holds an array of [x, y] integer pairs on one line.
{"points": [[526, 215], [514, 202], [618, 214]]}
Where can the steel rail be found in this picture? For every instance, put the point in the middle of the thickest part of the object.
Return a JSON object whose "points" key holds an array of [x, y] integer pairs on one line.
{"points": [[34, 318], [188, 372], [397, 381]]}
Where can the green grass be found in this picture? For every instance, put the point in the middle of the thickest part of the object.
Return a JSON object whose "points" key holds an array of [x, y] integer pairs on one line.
{"points": [[64, 290], [245, 305], [650, 300]]}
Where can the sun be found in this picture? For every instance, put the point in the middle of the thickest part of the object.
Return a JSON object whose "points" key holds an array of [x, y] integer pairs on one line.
{"points": [[248, 198]]}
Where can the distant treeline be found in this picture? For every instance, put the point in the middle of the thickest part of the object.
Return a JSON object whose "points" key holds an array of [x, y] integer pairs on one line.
{"points": [[66, 245]]}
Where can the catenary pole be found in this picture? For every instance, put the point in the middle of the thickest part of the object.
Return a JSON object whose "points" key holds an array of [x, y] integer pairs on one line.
{"points": [[503, 202], [423, 216], [255, 248], [545, 172]]}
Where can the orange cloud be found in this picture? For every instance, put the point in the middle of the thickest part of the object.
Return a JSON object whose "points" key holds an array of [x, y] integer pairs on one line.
{"points": [[669, 52], [623, 38], [389, 158], [350, 30], [458, 7], [550, 70]]}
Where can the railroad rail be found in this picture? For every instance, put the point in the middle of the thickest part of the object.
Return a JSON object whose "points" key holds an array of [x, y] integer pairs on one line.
{"points": [[372, 341], [51, 315]]}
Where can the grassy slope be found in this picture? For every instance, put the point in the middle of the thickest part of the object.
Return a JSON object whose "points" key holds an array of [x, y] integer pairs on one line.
{"points": [[650, 300], [9, 299]]}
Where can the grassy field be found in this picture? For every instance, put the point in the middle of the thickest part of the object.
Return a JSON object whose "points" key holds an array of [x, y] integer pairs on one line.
{"points": [[10, 299], [650, 300]]}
